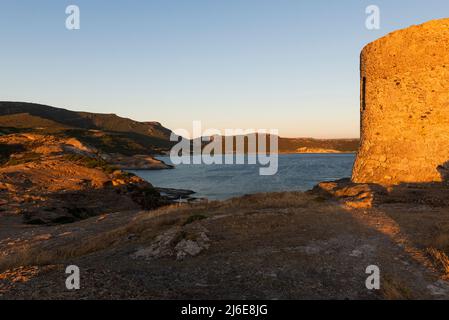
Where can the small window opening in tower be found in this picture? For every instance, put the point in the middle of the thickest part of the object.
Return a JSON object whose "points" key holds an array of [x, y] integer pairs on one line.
{"points": [[363, 93]]}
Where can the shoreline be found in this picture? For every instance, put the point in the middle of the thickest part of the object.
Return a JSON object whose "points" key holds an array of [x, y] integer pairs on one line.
{"points": [[280, 152]]}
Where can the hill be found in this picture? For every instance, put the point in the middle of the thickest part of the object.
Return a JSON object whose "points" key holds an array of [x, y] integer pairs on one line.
{"points": [[112, 134], [106, 132], [45, 179], [296, 145], [310, 145], [84, 120]]}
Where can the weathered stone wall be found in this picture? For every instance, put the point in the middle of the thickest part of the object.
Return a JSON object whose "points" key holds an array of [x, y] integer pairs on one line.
{"points": [[405, 106]]}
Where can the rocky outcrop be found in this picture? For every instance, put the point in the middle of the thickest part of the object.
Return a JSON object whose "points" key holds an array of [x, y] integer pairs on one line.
{"points": [[50, 180], [369, 195], [350, 194], [178, 242], [136, 162], [318, 150], [405, 106]]}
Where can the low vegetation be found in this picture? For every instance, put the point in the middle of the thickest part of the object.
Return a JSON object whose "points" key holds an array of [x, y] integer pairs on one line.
{"points": [[440, 259], [148, 224], [193, 218], [394, 289], [23, 158], [90, 162], [6, 150], [108, 133]]}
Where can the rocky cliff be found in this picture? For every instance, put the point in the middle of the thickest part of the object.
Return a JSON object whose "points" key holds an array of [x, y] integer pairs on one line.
{"points": [[46, 179]]}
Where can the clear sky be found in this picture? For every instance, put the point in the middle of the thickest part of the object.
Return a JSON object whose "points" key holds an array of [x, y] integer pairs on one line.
{"points": [[291, 65]]}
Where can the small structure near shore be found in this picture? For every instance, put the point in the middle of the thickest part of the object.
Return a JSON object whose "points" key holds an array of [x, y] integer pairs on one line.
{"points": [[405, 107]]}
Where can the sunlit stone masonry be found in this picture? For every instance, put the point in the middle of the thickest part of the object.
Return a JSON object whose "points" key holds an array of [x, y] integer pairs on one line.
{"points": [[405, 107]]}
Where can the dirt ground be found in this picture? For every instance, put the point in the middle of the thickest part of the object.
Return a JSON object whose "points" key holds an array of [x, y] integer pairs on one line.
{"points": [[268, 246]]}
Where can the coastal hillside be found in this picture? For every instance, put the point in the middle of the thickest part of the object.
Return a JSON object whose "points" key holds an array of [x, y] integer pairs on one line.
{"points": [[116, 135], [74, 119], [310, 145], [107, 132], [46, 179], [297, 145]]}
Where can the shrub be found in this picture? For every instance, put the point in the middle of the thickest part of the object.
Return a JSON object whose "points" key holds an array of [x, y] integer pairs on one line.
{"points": [[193, 218], [24, 158], [90, 162], [6, 150]]}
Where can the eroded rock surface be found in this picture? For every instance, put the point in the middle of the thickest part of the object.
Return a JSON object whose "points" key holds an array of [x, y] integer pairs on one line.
{"points": [[49, 179], [178, 242]]}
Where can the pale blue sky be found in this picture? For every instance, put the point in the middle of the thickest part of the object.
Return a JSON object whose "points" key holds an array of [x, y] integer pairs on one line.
{"points": [[286, 64]]}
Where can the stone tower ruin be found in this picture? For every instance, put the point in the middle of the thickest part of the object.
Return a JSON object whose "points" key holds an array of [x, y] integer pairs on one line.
{"points": [[405, 107]]}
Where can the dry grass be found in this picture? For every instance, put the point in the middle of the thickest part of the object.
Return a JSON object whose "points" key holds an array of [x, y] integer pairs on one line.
{"points": [[440, 259], [437, 250], [393, 289], [147, 225], [275, 201], [427, 229], [441, 240]]}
